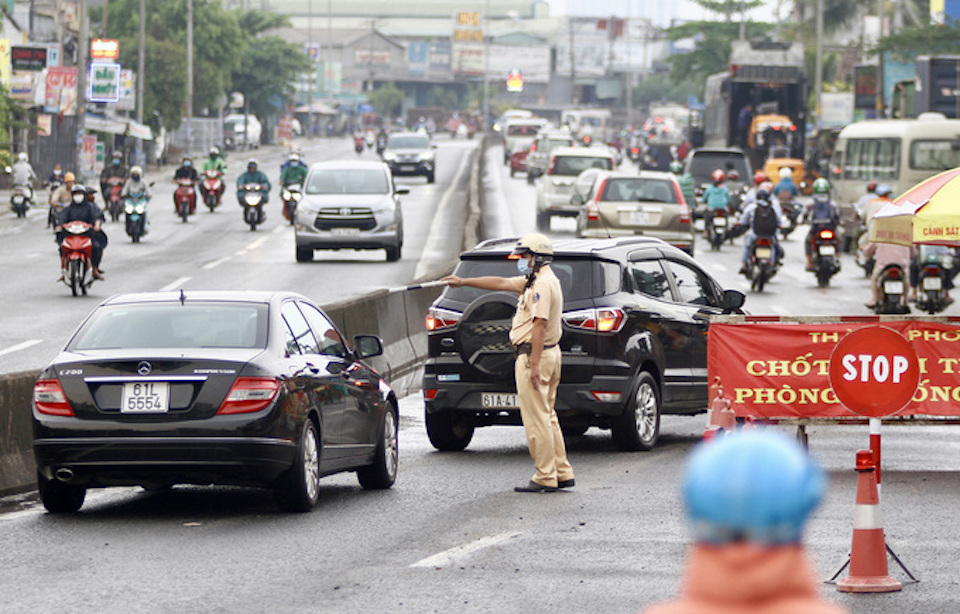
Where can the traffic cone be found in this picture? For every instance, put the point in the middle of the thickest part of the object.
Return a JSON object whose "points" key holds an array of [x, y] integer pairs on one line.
{"points": [[720, 415], [868, 554]]}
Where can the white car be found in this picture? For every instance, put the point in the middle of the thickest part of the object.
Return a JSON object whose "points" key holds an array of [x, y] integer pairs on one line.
{"points": [[233, 131], [556, 189]]}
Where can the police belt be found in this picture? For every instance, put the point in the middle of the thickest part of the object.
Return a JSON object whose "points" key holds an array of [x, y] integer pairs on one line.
{"points": [[527, 348]]}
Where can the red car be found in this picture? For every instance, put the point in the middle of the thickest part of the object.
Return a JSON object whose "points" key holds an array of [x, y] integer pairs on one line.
{"points": [[518, 162]]}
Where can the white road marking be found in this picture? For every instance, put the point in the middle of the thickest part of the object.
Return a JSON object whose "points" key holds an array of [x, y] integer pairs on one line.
{"points": [[20, 346], [176, 284], [278, 230], [256, 244], [432, 250], [216, 263], [451, 556]]}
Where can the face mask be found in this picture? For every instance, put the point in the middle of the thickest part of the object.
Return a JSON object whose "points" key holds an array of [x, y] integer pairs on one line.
{"points": [[523, 265], [135, 177], [78, 198], [187, 164]]}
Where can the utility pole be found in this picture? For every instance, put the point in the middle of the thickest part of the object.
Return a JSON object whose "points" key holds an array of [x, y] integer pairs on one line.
{"points": [[486, 66], [818, 76], [313, 68], [573, 65], [190, 78], [141, 53], [83, 48]]}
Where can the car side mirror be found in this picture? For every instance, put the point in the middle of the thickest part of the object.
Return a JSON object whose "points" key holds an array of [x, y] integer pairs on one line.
{"points": [[576, 199], [368, 346], [401, 190], [733, 300]]}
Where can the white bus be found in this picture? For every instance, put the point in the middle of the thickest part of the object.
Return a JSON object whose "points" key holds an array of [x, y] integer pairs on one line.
{"points": [[898, 152], [586, 122]]}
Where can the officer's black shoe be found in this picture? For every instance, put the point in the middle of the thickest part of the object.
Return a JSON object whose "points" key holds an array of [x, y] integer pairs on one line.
{"points": [[566, 483], [534, 487]]}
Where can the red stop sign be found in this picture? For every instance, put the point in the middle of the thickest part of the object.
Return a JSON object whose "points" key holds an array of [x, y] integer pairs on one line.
{"points": [[874, 371]]}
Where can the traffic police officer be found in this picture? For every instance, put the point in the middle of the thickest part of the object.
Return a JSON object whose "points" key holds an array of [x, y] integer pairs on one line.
{"points": [[535, 334]]}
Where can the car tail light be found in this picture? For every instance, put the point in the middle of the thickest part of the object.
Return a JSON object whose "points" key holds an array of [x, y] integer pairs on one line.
{"points": [[634, 150], [250, 394], [533, 146], [438, 319], [826, 234], [684, 212], [49, 398], [593, 211], [430, 394], [603, 320], [605, 397], [553, 162]]}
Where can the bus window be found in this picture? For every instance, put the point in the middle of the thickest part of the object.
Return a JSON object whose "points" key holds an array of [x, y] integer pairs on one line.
{"points": [[934, 155], [872, 159]]}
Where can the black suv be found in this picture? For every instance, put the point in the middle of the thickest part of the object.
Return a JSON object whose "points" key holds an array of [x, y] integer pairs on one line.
{"points": [[635, 318]]}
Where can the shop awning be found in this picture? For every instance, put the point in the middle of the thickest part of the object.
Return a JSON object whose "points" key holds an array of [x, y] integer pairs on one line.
{"points": [[118, 125]]}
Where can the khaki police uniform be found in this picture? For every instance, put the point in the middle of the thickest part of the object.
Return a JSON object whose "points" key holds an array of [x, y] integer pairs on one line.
{"points": [[543, 300]]}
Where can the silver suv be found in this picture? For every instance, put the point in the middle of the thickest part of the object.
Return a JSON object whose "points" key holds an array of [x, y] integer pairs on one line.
{"points": [[554, 192], [349, 205]]}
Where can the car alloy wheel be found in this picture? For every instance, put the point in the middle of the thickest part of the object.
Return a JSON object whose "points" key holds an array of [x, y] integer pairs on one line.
{"points": [[298, 490], [382, 472], [638, 427]]}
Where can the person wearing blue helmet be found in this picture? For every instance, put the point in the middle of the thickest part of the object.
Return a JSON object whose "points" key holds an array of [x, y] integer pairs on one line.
{"points": [[747, 498]]}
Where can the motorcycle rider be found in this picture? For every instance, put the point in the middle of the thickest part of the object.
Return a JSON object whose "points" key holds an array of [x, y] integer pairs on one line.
{"points": [[861, 204], [253, 175], [885, 254], [214, 162], [60, 197], [295, 171], [822, 214], [762, 218], [23, 173], [883, 192], [114, 169], [716, 197], [751, 194], [187, 171], [382, 138], [135, 187], [686, 184], [83, 209], [56, 176], [786, 190]]}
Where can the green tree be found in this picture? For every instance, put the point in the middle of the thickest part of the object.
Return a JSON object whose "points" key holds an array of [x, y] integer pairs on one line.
{"points": [[659, 87], [908, 43], [269, 66], [712, 48], [387, 99]]}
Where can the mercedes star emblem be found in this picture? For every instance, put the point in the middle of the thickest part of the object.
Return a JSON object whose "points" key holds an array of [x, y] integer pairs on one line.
{"points": [[144, 368]]}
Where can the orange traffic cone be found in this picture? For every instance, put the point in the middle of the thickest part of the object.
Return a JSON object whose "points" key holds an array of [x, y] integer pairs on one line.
{"points": [[868, 554], [720, 416]]}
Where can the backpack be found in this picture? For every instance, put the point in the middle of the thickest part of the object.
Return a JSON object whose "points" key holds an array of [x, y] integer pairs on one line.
{"points": [[765, 221], [822, 212]]}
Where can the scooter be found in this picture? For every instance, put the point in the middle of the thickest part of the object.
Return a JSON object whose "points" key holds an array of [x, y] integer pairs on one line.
{"points": [[135, 210], [291, 194], [211, 187], [252, 201], [936, 264], [358, 144], [763, 264], [826, 259], [890, 291], [791, 216], [114, 202], [185, 198], [53, 213], [21, 199], [716, 223], [76, 257]]}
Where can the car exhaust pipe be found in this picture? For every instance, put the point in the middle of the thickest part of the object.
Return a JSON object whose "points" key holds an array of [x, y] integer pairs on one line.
{"points": [[64, 474]]}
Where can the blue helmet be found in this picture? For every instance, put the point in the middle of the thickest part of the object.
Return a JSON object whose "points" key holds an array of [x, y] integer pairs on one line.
{"points": [[755, 486], [883, 190]]}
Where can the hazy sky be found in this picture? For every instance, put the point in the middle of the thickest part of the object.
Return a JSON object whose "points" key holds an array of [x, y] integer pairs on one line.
{"points": [[661, 12]]}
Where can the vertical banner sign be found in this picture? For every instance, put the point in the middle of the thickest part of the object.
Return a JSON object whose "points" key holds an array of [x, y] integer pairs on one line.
{"points": [[61, 91], [128, 91], [44, 124], [88, 156], [5, 61], [104, 82]]}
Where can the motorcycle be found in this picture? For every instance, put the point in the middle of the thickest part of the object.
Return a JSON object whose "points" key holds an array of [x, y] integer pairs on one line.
{"points": [[21, 199], [826, 259], [762, 265], [791, 217], [716, 223], [185, 198], [358, 144], [114, 202], [135, 210], [212, 188], [890, 291], [252, 201], [381, 144], [291, 194], [936, 264], [76, 257], [53, 213]]}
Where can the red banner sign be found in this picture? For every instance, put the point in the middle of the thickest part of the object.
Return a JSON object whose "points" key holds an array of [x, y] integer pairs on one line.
{"points": [[782, 370]]}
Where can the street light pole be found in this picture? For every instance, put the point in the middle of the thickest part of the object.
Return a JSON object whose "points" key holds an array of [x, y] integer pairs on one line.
{"points": [[486, 66], [141, 52], [83, 44], [818, 76], [190, 78]]}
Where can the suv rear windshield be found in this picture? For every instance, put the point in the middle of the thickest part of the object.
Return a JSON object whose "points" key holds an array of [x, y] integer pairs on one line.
{"points": [[579, 278], [633, 189], [192, 325], [523, 130], [704, 163], [574, 165]]}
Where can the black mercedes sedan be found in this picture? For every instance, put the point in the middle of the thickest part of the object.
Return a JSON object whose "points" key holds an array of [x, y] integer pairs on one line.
{"points": [[233, 388]]}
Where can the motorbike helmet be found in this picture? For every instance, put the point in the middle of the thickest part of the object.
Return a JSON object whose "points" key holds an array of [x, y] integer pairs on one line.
{"points": [[872, 186], [763, 196], [22, 156], [69, 177], [536, 244], [136, 172], [758, 178], [294, 157], [90, 191], [768, 186], [252, 164], [717, 176], [116, 156], [214, 152], [883, 190], [821, 186], [676, 167], [756, 486], [78, 193], [733, 176], [785, 172]]}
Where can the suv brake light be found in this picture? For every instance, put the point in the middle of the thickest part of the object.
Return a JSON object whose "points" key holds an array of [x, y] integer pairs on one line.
{"points": [[250, 394], [593, 211], [553, 162], [685, 213], [602, 320], [49, 398], [438, 319]]}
